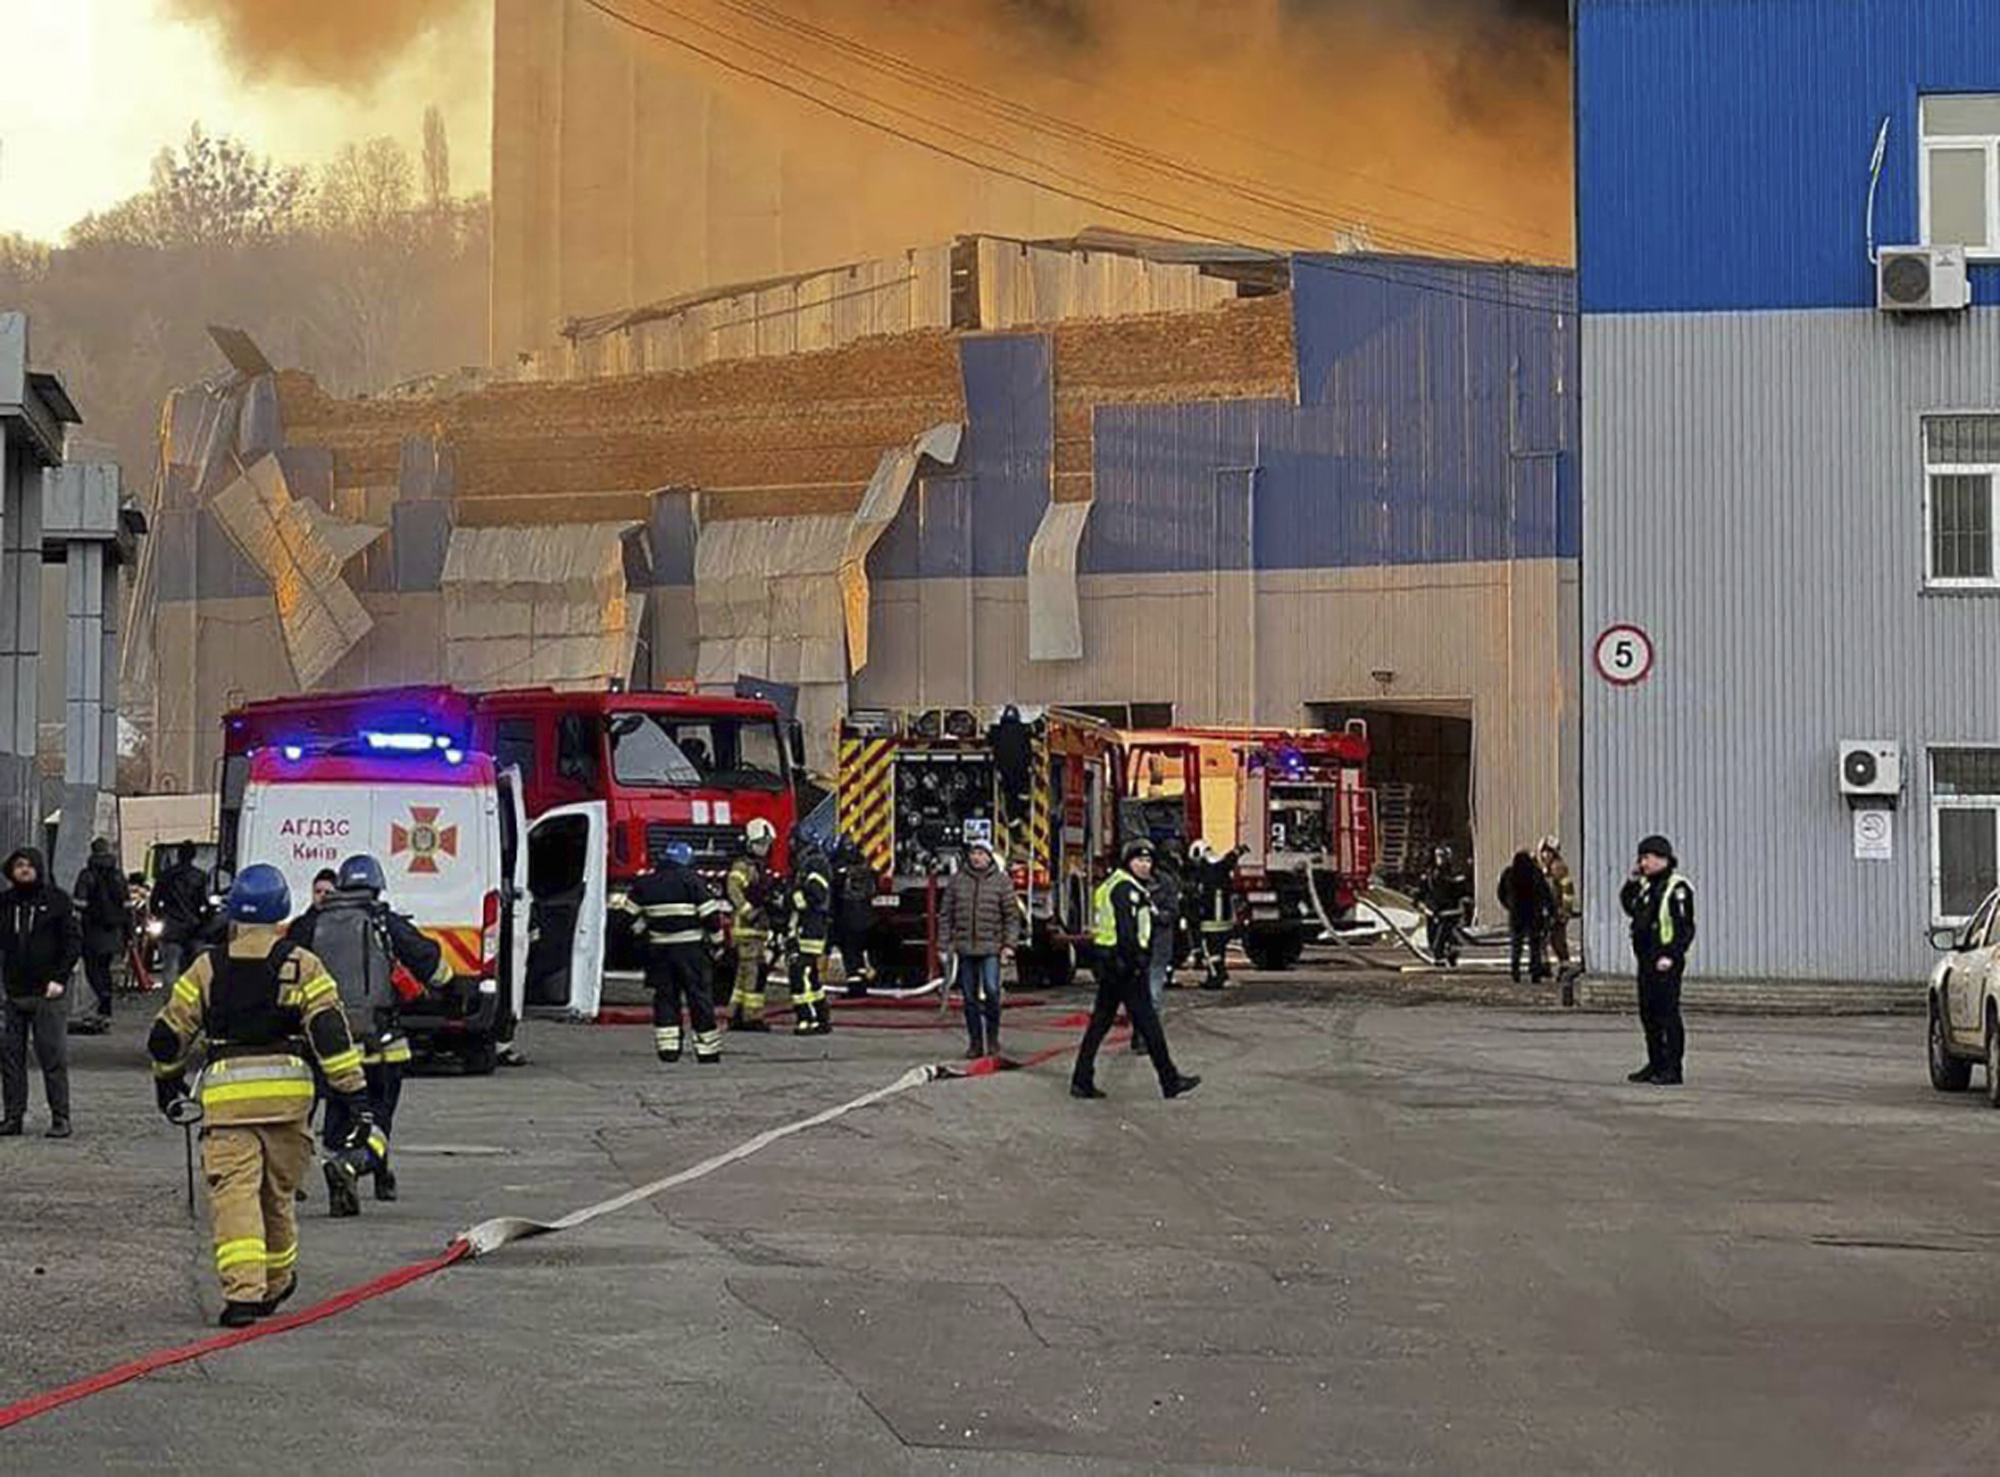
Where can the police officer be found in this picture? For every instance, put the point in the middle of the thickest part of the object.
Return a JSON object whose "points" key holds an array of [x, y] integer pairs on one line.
{"points": [[263, 1011], [681, 921], [749, 891], [1214, 909], [1660, 903], [1124, 939], [811, 897], [362, 942]]}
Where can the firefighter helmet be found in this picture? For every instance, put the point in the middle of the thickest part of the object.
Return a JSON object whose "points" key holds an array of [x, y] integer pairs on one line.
{"points": [[760, 835]]}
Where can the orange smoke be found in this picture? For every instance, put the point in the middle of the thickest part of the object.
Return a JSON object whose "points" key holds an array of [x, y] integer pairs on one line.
{"points": [[341, 43]]}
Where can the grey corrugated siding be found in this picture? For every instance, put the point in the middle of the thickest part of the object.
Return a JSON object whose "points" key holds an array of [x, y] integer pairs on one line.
{"points": [[1754, 498]]}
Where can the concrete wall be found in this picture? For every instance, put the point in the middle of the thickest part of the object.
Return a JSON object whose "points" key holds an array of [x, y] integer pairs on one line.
{"points": [[1236, 648], [1756, 503]]}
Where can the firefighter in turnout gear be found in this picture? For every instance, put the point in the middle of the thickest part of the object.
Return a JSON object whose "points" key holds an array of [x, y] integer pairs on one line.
{"points": [[749, 890], [681, 922], [378, 958], [263, 1012], [1212, 887], [811, 898], [1123, 936]]}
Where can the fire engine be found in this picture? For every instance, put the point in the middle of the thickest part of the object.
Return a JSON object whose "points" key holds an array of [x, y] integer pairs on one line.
{"points": [[1295, 802], [916, 787]]}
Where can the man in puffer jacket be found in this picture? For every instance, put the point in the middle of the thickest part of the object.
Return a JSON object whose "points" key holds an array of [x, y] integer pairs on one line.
{"points": [[979, 920], [39, 946]]}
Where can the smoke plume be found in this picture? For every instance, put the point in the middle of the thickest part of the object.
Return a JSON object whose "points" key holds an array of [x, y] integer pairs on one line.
{"points": [[340, 43]]}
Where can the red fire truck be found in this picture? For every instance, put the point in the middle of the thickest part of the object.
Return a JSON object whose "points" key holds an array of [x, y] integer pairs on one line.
{"points": [[1295, 802]]}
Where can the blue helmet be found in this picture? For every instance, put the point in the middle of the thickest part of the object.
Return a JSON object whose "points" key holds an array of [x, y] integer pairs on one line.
{"points": [[678, 853], [361, 871], [259, 895]]}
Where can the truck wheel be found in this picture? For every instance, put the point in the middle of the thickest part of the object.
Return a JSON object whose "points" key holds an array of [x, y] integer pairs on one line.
{"points": [[1948, 1073], [1273, 951], [480, 1057]]}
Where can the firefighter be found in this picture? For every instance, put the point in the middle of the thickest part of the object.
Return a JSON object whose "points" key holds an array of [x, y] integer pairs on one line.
{"points": [[856, 884], [1123, 934], [1660, 903], [363, 943], [749, 889], [1214, 907], [811, 898], [680, 919], [1445, 894], [263, 1011]]}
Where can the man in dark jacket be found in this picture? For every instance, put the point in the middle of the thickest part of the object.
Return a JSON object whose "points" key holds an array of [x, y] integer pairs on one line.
{"points": [[1530, 903], [363, 943], [855, 885], [104, 909], [180, 902], [679, 917], [979, 921], [1660, 903], [39, 945], [1123, 939]]}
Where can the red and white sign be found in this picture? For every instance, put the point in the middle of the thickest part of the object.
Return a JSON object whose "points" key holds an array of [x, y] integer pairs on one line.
{"points": [[1623, 655]]}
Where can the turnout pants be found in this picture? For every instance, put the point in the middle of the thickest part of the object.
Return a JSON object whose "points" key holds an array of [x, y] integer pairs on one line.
{"points": [[809, 1012], [746, 1001], [1119, 985], [44, 1022], [253, 1172], [1660, 1015], [677, 974]]}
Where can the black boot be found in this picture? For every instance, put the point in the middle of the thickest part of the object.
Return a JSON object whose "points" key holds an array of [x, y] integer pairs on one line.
{"points": [[10, 1129], [341, 1199], [1085, 1090], [385, 1183], [1180, 1086], [271, 1305], [238, 1315], [1644, 1074]]}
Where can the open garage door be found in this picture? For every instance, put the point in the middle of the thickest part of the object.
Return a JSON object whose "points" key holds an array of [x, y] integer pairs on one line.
{"points": [[1420, 767]]}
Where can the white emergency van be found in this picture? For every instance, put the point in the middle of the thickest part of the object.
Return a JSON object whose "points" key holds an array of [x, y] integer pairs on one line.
{"points": [[520, 924]]}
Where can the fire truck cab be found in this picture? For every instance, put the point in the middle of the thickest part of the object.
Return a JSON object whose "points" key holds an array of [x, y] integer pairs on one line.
{"points": [[916, 787], [1294, 802]]}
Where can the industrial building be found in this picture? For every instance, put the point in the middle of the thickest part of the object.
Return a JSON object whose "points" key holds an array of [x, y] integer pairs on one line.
{"points": [[1791, 393], [1166, 481]]}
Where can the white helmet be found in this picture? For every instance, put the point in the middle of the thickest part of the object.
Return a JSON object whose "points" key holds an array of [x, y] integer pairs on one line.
{"points": [[760, 835], [1199, 852], [1552, 844]]}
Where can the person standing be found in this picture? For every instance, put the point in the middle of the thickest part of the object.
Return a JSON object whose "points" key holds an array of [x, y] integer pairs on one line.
{"points": [[1525, 894], [811, 924], [180, 902], [1214, 883], [1660, 903], [1123, 935], [1167, 889], [1444, 892], [263, 1012], [362, 944], [680, 920], [748, 888], [857, 884], [39, 945], [1562, 887], [979, 921], [104, 911]]}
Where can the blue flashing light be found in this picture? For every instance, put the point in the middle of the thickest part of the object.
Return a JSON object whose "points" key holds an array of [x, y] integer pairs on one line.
{"points": [[402, 743], [294, 752], [444, 742], [454, 756]]}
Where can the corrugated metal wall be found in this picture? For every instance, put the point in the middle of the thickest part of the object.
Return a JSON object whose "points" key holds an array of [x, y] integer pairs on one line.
{"points": [[1757, 504]]}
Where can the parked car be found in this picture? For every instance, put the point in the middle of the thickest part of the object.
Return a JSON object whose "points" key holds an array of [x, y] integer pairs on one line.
{"points": [[1965, 1001]]}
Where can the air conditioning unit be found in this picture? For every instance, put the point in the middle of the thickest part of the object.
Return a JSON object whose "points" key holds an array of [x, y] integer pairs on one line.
{"points": [[1871, 771], [1921, 279]]}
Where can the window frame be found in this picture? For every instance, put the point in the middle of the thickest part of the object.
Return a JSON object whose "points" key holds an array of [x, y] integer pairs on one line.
{"points": [[1928, 143], [1940, 803], [1991, 472]]}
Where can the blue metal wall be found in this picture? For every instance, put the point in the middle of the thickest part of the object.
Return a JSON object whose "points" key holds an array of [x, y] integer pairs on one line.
{"points": [[1723, 145]]}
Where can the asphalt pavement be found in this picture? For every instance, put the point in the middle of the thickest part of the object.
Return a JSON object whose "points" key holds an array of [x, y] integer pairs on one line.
{"points": [[1380, 1238]]}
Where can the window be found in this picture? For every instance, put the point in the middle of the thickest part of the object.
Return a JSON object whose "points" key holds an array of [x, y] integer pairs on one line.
{"points": [[1961, 463], [1128, 715], [1960, 172], [1965, 830], [514, 746], [661, 751], [576, 750]]}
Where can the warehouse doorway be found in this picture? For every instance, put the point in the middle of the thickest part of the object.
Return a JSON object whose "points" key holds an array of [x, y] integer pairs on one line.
{"points": [[1420, 767]]}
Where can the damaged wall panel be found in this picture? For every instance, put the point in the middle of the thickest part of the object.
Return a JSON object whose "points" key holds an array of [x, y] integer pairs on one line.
{"points": [[527, 606]]}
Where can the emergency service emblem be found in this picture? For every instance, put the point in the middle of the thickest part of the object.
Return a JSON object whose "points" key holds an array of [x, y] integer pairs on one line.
{"points": [[424, 839]]}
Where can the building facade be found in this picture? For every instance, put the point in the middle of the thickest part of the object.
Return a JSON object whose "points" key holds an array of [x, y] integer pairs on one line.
{"points": [[1789, 491]]}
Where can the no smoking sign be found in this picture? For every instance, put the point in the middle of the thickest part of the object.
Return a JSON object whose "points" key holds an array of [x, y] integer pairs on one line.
{"points": [[1623, 655]]}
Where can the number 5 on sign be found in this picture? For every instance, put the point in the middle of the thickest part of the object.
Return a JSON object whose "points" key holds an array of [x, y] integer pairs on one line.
{"points": [[1623, 655]]}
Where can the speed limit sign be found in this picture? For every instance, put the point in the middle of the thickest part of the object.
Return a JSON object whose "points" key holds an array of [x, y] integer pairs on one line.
{"points": [[1623, 655]]}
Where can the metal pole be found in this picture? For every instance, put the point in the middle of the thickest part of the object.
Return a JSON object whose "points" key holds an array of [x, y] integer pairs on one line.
{"points": [[187, 1140]]}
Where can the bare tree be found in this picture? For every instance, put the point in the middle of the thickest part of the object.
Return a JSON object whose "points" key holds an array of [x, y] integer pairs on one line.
{"points": [[367, 191], [212, 191], [437, 161]]}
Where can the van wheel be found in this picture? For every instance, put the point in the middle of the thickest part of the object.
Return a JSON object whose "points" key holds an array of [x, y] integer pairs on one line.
{"points": [[480, 1058], [1274, 952], [1949, 1073]]}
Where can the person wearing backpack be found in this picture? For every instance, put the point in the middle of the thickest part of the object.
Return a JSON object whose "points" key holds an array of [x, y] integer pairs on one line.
{"points": [[377, 959], [104, 909]]}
